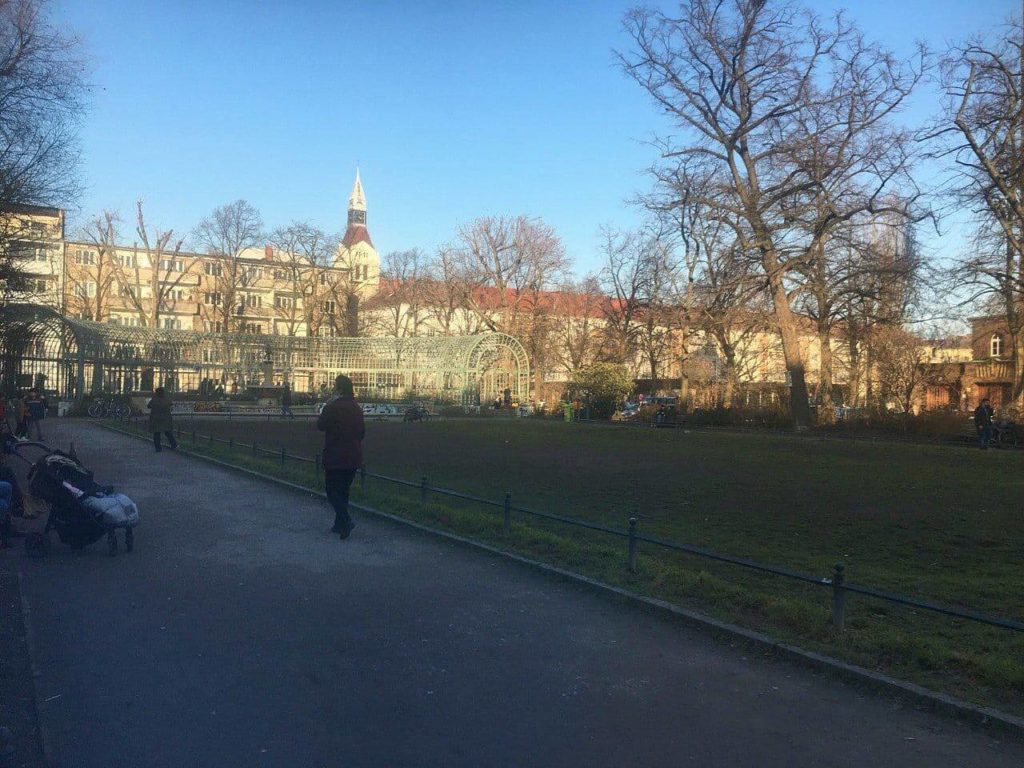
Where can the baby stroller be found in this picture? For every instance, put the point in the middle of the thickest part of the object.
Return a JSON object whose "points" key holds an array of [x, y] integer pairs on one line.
{"points": [[81, 510]]}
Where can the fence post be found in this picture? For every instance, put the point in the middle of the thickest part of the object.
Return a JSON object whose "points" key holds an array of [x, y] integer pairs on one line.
{"points": [[424, 489], [211, 439], [508, 512], [231, 443], [632, 545], [193, 437], [316, 469], [838, 598], [362, 477], [282, 455]]}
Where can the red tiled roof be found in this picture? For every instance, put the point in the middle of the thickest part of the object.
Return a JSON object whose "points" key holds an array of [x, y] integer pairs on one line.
{"points": [[356, 233]]}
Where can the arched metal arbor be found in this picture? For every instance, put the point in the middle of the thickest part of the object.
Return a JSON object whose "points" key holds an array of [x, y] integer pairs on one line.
{"points": [[40, 347]]}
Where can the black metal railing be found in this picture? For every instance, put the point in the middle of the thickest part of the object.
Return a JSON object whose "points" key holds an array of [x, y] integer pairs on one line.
{"points": [[836, 581]]}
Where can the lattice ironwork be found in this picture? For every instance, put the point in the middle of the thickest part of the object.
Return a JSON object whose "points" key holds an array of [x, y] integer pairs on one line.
{"points": [[76, 357]]}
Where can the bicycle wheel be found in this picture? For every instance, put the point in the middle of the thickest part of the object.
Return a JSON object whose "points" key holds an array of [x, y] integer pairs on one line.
{"points": [[96, 409], [1008, 438]]}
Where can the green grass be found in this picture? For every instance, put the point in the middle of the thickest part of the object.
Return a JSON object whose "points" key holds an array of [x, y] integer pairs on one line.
{"points": [[940, 523]]}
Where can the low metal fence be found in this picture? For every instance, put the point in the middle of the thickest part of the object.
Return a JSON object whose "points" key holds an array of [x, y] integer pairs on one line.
{"points": [[836, 582]]}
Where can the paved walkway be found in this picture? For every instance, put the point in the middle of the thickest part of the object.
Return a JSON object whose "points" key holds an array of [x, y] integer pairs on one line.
{"points": [[240, 634]]}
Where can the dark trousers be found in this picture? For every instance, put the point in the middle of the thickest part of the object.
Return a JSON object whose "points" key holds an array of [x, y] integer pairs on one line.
{"points": [[338, 482], [170, 439]]}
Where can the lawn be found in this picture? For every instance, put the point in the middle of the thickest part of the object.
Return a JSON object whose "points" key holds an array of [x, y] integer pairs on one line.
{"points": [[939, 522]]}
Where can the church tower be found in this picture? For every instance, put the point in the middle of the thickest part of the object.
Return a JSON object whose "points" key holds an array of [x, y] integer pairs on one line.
{"points": [[356, 251]]}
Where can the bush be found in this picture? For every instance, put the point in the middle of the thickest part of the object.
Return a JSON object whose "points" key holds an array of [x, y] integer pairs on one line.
{"points": [[604, 385]]}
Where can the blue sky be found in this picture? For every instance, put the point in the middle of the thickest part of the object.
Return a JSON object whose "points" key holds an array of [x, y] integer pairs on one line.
{"points": [[451, 110]]}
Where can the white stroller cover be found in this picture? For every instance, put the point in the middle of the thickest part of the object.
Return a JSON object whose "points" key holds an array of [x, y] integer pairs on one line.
{"points": [[116, 509]]}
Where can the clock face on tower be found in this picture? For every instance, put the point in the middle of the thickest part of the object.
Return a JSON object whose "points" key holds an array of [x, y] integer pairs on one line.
{"points": [[357, 217]]}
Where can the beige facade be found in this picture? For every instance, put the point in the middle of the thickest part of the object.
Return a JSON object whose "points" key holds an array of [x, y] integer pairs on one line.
{"points": [[270, 291]]}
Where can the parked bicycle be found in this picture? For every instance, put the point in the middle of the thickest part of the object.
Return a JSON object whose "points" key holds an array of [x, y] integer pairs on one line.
{"points": [[109, 408]]}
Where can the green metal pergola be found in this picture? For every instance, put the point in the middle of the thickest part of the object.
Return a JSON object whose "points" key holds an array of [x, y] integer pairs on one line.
{"points": [[73, 358]]}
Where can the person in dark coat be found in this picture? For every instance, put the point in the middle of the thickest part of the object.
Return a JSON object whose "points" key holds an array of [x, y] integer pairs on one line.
{"points": [[160, 419], [983, 422], [342, 421], [36, 412], [286, 402]]}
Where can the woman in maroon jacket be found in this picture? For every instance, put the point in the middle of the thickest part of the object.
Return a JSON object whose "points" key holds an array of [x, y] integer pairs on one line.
{"points": [[342, 420]]}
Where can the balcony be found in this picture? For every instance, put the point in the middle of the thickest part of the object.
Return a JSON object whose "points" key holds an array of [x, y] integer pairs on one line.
{"points": [[991, 370]]}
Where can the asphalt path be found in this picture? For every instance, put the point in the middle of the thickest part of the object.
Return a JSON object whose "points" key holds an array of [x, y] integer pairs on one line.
{"points": [[240, 633]]}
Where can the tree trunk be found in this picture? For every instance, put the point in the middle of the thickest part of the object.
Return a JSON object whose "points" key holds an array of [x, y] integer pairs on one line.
{"points": [[853, 377], [789, 331], [1018, 370], [826, 413]]}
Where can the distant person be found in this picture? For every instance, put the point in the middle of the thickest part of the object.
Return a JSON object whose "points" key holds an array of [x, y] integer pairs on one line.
{"points": [[21, 417], [160, 419], [286, 403], [35, 406], [342, 421], [983, 422]]}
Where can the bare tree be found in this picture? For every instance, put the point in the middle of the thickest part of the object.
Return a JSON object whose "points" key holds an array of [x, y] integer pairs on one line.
{"points": [[445, 290], [41, 100], [578, 329], [399, 302], [723, 294], [625, 277], [93, 270], [506, 262], [900, 362], [226, 233], [983, 132], [775, 106], [303, 255]]}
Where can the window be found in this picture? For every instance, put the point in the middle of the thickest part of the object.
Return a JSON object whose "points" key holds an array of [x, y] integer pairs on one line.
{"points": [[254, 328], [213, 326], [83, 256], [172, 265], [284, 302], [212, 298], [253, 273], [326, 332], [213, 268], [996, 345], [125, 290], [85, 290], [327, 306], [211, 355], [175, 294], [172, 323], [323, 278], [253, 300], [127, 259]]}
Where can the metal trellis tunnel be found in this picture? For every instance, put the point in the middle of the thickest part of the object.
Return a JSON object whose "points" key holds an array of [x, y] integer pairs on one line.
{"points": [[71, 357]]}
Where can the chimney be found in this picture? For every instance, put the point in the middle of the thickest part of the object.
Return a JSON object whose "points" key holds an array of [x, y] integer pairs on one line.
{"points": [[268, 252]]}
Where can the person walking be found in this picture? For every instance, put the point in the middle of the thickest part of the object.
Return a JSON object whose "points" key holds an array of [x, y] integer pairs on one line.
{"points": [[342, 422], [983, 422], [36, 411], [286, 403], [160, 419]]}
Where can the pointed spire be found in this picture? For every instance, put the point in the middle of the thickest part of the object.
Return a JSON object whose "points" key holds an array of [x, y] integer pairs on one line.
{"points": [[357, 202]]}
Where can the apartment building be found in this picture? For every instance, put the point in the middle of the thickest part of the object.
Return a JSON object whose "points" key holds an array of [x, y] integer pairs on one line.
{"points": [[261, 290]]}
